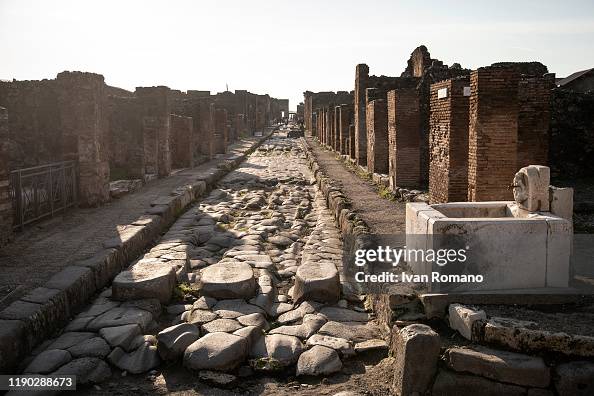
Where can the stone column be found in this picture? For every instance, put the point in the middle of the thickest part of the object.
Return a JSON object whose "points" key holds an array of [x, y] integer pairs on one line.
{"points": [[404, 138], [336, 129], [448, 141], [156, 108], [493, 133], [6, 216], [352, 141], [345, 117], [361, 77], [83, 117], [377, 136]]}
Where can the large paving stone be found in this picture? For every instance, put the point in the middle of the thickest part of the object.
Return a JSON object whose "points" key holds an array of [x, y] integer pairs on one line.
{"points": [[93, 347], [255, 319], [352, 331], [201, 316], [575, 378], [120, 336], [282, 348], [337, 314], [318, 281], [87, 370], [70, 339], [146, 279], [341, 345], [311, 324], [416, 352], [121, 316], [48, 361], [221, 325], [141, 360], [502, 366], [216, 351], [231, 309], [319, 360], [173, 341], [228, 280], [454, 384]]}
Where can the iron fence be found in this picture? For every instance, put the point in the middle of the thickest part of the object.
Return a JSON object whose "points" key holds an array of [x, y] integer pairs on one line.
{"points": [[42, 191]]}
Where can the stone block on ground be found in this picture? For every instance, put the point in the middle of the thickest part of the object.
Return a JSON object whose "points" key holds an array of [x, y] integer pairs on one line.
{"points": [[228, 280], [504, 366], [318, 281], [454, 384], [282, 348], [141, 360], [352, 331], [120, 335], [216, 351], [173, 341], [463, 319], [341, 345], [416, 352], [319, 360], [146, 279], [575, 378]]}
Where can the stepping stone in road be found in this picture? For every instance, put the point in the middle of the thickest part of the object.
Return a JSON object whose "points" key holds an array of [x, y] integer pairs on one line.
{"points": [[228, 280], [146, 279], [316, 280], [216, 351], [319, 360]]}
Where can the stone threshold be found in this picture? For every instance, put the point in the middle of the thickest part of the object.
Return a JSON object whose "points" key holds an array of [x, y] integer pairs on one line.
{"points": [[27, 322]]}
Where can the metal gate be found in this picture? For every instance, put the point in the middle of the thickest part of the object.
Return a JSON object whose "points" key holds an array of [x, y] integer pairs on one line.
{"points": [[42, 191]]}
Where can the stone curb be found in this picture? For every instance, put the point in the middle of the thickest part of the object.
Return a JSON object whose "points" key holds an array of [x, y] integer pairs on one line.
{"points": [[28, 321]]}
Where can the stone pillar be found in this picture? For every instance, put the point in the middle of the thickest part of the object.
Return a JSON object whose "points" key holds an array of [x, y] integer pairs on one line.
{"points": [[182, 155], [126, 144], [240, 125], [336, 128], [448, 141], [361, 77], [377, 136], [404, 138], [156, 108], [219, 146], [83, 117], [6, 216], [534, 105], [352, 141], [345, 116], [493, 133]]}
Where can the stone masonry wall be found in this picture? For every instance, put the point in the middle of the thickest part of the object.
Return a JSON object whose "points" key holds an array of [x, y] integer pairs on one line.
{"points": [[404, 138], [448, 141], [493, 133], [156, 107], [219, 146], [377, 136], [345, 120], [534, 101], [5, 201], [83, 115], [181, 141], [126, 141]]}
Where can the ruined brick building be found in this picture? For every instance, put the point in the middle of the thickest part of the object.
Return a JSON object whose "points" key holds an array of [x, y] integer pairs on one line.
{"points": [[110, 133]]}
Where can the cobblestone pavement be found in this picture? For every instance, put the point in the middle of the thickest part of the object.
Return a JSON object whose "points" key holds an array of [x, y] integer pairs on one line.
{"points": [[46, 248], [258, 266]]}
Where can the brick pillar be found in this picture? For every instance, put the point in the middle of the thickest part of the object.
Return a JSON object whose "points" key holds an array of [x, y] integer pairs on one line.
{"points": [[5, 202], [534, 102], [156, 108], [493, 134], [404, 138], [182, 154], [336, 128], [219, 146], [83, 116], [377, 136], [361, 77], [448, 141], [345, 116], [204, 126]]}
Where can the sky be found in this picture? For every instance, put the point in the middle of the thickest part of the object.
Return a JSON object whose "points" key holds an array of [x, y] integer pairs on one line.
{"points": [[282, 47]]}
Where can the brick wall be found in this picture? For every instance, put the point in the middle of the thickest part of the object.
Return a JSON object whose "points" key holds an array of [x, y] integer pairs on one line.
{"points": [[83, 114], [377, 136], [181, 141], [448, 141], [493, 133], [5, 202], [403, 138], [534, 103]]}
